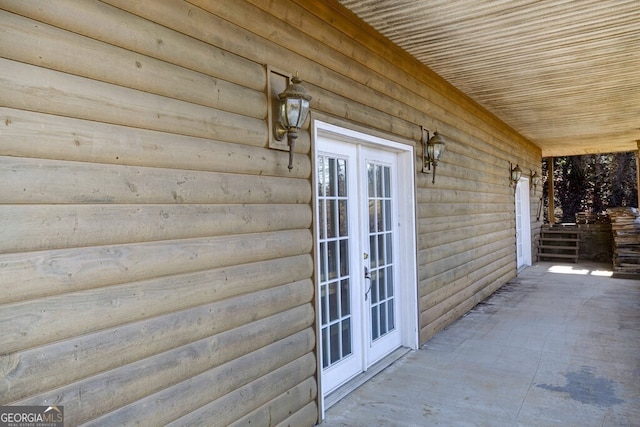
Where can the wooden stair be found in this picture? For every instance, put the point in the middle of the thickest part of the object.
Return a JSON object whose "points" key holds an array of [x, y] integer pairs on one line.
{"points": [[558, 243]]}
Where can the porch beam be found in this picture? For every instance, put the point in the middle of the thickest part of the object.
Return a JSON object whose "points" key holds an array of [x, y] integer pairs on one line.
{"points": [[638, 171]]}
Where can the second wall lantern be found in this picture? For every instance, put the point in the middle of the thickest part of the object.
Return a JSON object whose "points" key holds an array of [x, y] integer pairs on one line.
{"points": [[293, 112], [432, 149]]}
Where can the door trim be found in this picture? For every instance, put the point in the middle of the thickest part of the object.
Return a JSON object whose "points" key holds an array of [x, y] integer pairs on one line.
{"points": [[408, 288]]}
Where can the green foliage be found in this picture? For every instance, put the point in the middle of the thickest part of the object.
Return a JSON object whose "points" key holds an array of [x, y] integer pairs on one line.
{"points": [[591, 183]]}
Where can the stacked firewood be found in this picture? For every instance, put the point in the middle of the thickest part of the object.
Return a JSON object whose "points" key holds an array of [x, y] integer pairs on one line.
{"points": [[625, 225]]}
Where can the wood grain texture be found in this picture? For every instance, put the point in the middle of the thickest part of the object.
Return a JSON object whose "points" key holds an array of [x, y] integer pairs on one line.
{"points": [[459, 265], [282, 406], [33, 181], [433, 325], [45, 136], [33, 88], [306, 416], [234, 405], [74, 54], [71, 226], [283, 310], [41, 321], [31, 275], [127, 31], [291, 354], [457, 279]]}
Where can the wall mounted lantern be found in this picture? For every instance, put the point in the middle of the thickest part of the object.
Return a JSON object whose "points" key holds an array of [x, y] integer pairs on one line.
{"points": [[535, 180], [432, 149], [294, 109], [515, 174]]}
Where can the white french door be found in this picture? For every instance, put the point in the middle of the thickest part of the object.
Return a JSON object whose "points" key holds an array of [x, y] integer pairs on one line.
{"points": [[519, 233], [360, 278], [339, 275], [523, 224], [379, 199]]}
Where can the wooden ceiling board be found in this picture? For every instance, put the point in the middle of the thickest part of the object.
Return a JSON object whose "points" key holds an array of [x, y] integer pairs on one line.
{"points": [[564, 73]]}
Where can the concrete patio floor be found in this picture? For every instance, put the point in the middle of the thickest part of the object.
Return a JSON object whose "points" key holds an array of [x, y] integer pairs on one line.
{"points": [[557, 346]]}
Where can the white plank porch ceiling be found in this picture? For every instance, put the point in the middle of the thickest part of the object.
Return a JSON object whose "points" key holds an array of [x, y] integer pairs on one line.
{"points": [[564, 73]]}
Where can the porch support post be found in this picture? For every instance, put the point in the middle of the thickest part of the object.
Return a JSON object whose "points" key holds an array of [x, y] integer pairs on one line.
{"points": [[638, 171], [550, 190]]}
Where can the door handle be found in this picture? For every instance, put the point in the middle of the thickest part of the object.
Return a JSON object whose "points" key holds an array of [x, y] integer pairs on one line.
{"points": [[367, 276]]}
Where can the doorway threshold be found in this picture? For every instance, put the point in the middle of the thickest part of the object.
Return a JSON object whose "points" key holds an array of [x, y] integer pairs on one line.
{"points": [[342, 391]]}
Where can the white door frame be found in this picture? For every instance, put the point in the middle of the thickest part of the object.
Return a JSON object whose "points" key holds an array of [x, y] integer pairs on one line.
{"points": [[524, 235], [407, 251]]}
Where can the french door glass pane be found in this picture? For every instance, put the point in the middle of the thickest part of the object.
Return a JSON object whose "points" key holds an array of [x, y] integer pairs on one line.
{"points": [[325, 348], [342, 178], [373, 251], [345, 300], [333, 257], [323, 262], [346, 336], [324, 305], [334, 308], [382, 287], [335, 280], [344, 258], [331, 218], [343, 220], [322, 167], [381, 249], [322, 221], [331, 178]]}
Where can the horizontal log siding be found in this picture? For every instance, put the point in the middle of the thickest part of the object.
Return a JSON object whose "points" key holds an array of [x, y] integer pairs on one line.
{"points": [[357, 75], [153, 245]]}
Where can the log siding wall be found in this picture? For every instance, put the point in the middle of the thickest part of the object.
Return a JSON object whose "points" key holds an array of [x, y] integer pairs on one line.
{"points": [[156, 259]]}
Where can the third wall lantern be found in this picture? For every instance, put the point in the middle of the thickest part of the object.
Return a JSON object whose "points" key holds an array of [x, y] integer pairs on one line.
{"points": [[535, 180]]}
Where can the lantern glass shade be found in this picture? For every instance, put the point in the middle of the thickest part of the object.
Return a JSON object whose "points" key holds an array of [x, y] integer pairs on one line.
{"points": [[293, 111], [435, 147], [294, 105], [516, 174]]}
